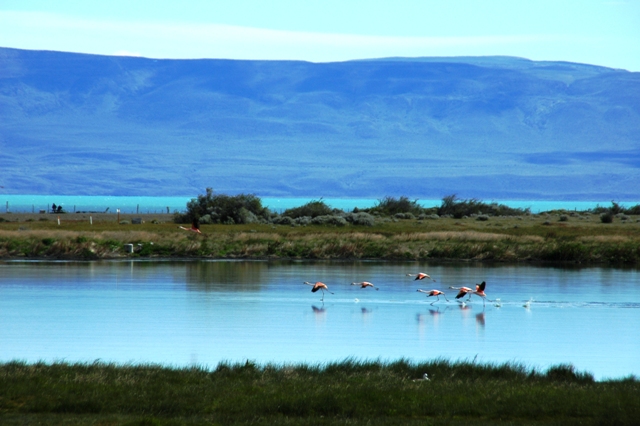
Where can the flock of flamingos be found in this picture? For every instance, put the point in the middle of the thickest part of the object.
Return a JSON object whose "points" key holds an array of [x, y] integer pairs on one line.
{"points": [[462, 291]]}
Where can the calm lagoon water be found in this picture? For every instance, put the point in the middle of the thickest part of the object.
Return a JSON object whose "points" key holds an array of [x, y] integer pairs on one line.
{"points": [[130, 204], [205, 312]]}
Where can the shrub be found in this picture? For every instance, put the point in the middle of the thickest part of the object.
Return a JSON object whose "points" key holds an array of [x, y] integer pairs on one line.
{"points": [[482, 217], [390, 206], [606, 217], [635, 210], [452, 205], [564, 218], [363, 219], [312, 209], [283, 220], [220, 208], [329, 220], [303, 220]]}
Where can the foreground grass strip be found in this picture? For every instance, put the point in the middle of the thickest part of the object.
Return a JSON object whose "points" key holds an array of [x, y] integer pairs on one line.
{"points": [[345, 392]]}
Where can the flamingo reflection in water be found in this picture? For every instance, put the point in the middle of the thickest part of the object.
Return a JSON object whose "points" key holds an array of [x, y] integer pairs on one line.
{"points": [[318, 286], [365, 284], [420, 276], [436, 293], [480, 319], [317, 310]]}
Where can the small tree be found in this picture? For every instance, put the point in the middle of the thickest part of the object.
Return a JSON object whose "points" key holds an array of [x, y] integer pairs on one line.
{"points": [[221, 208]]}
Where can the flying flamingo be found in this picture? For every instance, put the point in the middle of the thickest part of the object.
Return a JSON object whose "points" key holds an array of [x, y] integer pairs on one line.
{"points": [[464, 291], [318, 286], [436, 293], [365, 284], [420, 276], [195, 227], [479, 291]]}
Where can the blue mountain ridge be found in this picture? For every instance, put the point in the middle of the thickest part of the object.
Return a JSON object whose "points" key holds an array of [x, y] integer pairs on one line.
{"points": [[483, 127]]}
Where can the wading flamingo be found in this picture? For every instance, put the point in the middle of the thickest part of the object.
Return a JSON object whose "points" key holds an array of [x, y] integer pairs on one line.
{"points": [[436, 293], [318, 286], [195, 227], [479, 291], [365, 284], [420, 276], [463, 291]]}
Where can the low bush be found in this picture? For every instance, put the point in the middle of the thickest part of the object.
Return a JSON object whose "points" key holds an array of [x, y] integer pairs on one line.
{"points": [[329, 220], [606, 217], [283, 220], [362, 219], [390, 206], [457, 208], [312, 209]]}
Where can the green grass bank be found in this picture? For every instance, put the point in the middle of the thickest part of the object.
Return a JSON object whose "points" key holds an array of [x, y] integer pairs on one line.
{"points": [[580, 238], [348, 392]]}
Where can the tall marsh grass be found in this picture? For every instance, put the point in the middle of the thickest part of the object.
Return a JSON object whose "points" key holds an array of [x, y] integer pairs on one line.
{"points": [[348, 392]]}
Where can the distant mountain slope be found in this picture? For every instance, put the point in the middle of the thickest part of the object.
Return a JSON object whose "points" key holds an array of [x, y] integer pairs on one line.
{"points": [[489, 127]]}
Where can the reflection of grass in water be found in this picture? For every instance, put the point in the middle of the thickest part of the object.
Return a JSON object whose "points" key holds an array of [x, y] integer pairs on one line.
{"points": [[349, 391], [497, 239]]}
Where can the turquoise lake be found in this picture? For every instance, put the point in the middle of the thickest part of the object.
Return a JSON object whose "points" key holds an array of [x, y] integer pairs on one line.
{"points": [[35, 203]]}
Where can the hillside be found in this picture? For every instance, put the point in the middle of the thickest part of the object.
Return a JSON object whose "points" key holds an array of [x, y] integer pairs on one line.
{"points": [[490, 127]]}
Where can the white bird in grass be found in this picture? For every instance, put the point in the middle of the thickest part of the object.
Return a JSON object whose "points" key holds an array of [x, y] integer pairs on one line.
{"points": [[425, 378]]}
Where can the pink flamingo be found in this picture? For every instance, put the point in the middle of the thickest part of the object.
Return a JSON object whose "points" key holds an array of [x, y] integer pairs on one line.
{"points": [[479, 291], [436, 293], [463, 291], [195, 227], [318, 286], [420, 276], [365, 284]]}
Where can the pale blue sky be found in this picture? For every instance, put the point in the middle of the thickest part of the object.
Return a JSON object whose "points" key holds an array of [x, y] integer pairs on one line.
{"points": [[600, 32]]}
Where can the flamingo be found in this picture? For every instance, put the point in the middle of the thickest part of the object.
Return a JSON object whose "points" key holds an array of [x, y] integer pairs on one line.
{"points": [[318, 286], [436, 293], [479, 291], [464, 291], [420, 276], [195, 227], [365, 284]]}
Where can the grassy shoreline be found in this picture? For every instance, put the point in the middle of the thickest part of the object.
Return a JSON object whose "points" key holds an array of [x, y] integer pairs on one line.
{"points": [[543, 238], [347, 392]]}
